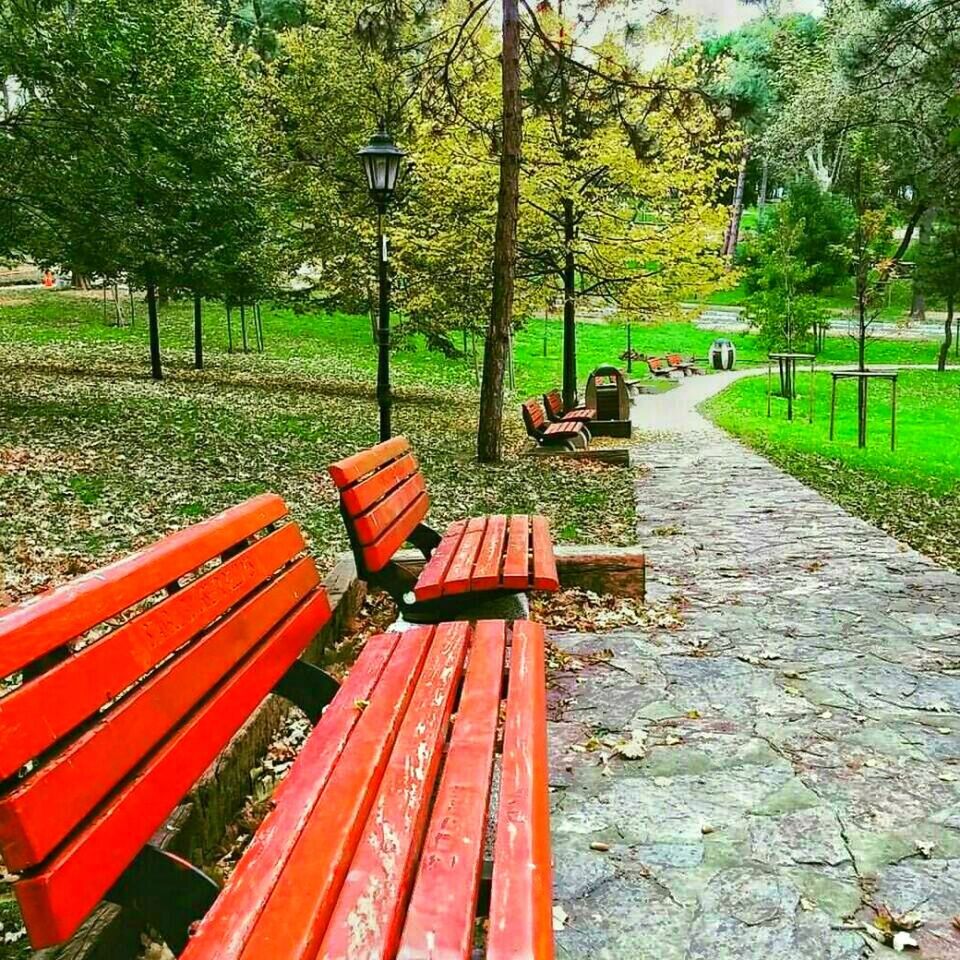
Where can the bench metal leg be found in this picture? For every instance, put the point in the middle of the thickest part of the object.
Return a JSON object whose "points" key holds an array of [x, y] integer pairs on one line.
{"points": [[170, 893], [307, 687]]}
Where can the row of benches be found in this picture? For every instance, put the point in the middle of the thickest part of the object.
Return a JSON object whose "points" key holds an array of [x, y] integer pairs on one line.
{"points": [[664, 366], [557, 427], [136, 677]]}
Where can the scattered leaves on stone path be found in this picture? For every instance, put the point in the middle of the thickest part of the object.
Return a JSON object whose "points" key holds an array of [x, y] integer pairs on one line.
{"points": [[585, 611]]}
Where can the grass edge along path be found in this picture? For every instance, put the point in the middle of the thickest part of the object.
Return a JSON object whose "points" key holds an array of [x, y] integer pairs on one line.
{"points": [[913, 493]]}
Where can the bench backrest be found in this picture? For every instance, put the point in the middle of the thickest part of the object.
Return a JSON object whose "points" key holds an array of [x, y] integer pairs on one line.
{"points": [[554, 403], [533, 417], [383, 497], [674, 359], [655, 363], [136, 677]]}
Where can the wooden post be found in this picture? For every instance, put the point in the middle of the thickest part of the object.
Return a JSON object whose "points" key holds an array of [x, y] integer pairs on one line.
{"points": [[769, 382], [893, 414], [243, 327], [229, 328], [833, 405], [862, 410]]}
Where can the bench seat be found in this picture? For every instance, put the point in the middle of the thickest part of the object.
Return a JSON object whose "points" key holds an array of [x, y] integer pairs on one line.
{"points": [[375, 848], [570, 433], [490, 553], [553, 406], [384, 502]]}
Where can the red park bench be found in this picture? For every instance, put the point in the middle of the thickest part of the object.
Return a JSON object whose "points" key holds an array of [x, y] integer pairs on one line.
{"points": [[383, 502], [658, 366], [137, 676], [686, 365], [553, 404], [569, 434]]}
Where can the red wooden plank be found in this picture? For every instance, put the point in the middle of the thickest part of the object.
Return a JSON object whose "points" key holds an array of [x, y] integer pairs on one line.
{"points": [[545, 575], [554, 402], [458, 575], [76, 688], [47, 806], [486, 571], [376, 522], [580, 415], [369, 912], [442, 909], [349, 470], [225, 929], [363, 495], [535, 411], [516, 569], [56, 900], [521, 924], [429, 584], [378, 555], [30, 629], [295, 916], [565, 428]]}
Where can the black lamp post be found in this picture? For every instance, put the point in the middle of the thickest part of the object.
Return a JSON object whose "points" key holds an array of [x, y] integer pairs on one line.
{"points": [[381, 160]]}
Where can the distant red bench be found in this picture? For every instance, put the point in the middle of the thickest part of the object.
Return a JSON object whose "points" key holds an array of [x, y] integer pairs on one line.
{"points": [[553, 405], [684, 364], [569, 434], [658, 366], [375, 841], [384, 501]]}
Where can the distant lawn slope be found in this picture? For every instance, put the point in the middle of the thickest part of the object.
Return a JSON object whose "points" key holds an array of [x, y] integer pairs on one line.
{"points": [[912, 492], [95, 458]]}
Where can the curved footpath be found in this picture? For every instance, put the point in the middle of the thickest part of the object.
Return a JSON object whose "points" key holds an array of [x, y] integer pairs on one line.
{"points": [[797, 738]]}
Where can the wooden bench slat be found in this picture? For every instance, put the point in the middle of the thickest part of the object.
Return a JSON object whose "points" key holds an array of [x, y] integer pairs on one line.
{"points": [[521, 923], [516, 570], [224, 931], [363, 495], [486, 570], [458, 575], [353, 468], [56, 899], [368, 916], [565, 428], [377, 555], [442, 909], [51, 803], [429, 584], [31, 629], [545, 576], [580, 415], [294, 917], [76, 688], [373, 524]]}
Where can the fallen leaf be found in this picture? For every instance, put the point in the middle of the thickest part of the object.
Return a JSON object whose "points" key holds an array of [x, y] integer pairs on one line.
{"points": [[560, 917]]}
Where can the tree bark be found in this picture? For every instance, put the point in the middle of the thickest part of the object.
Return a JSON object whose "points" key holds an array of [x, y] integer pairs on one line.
{"points": [[569, 310], [762, 195], [197, 331], [490, 427], [918, 308], [736, 211], [156, 370], [947, 336]]}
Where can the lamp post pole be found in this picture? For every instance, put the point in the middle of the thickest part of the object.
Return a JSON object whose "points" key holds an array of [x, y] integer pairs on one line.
{"points": [[383, 330], [381, 159]]}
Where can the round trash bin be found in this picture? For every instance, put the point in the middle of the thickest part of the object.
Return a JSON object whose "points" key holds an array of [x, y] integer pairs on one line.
{"points": [[723, 355]]}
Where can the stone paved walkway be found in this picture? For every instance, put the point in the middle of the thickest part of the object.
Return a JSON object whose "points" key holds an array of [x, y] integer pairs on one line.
{"points": [[800, 732]]}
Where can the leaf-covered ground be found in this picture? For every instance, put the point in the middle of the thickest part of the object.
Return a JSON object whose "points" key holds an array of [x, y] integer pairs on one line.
{"points": [[912, 493], [95, 458]]}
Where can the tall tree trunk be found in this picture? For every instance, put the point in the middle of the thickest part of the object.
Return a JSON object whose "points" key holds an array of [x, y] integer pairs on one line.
{"points": [[762, 195], [490, 428], [79, 281], [947, 336], [197, 331], [736, 211], [156, 371], [569, 310], [918, 308]]}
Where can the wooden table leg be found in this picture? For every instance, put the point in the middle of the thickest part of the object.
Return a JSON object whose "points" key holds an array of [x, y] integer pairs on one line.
{"points": [[833, 405]]}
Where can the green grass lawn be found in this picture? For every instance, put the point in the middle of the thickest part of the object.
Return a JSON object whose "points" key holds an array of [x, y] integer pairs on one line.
{"points": [[95, 458], [913, 492]]}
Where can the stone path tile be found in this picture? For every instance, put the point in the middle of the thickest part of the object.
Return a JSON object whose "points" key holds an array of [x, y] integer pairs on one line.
{"points": [[801, 729]]}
